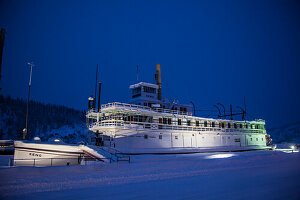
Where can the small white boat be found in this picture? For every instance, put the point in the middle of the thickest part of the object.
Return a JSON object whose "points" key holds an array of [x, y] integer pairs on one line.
{"points": [[35, 153]]}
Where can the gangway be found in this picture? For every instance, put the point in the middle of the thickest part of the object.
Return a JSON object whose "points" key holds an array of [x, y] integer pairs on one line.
{"points": [[112, 154]]}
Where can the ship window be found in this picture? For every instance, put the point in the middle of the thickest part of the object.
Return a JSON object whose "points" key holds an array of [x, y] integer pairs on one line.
{"points": [[241, 125], [205, 123], [197, 123], [262, 139], [176, 137], [213, 124], [164, 120], [179, 121], [141, 118], [149, 89], [223, 125], [146, 136], [228, 138], [160, 137], [184, 109], [251, 139], [246, 125], [237, 140], [169, 120], [188, 122], [159, 126], [160, 120], [147, 126], [145, 104], [256, 126], [256, 139], [229, 125], [235, 125], [136, 92]]}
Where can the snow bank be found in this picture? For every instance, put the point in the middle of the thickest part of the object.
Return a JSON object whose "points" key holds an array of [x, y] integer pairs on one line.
{"points": [[244, 175]]}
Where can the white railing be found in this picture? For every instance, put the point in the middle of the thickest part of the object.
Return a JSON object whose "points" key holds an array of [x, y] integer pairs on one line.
{"points": [[144, 125], [135, 107]]}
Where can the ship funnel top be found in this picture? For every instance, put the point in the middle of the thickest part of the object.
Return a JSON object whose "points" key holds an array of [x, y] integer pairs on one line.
{"points": [[158, 80]]}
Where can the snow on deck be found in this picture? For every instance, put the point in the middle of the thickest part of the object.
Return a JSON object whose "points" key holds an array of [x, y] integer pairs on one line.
{"points": [[235, 175]]}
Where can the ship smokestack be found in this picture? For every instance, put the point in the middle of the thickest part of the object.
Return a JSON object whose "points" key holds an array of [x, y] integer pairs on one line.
{"points": [[158, 80]]}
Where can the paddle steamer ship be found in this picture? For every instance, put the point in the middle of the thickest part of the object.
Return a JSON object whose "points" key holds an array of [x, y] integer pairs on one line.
{"points": [[153, 125]]}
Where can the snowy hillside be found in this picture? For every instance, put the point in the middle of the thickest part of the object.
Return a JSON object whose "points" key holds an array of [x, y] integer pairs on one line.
{"points": [[45, 120], [288, 133]]}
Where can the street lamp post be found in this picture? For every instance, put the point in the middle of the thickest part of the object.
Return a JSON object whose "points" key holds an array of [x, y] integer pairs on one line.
{"points": [[26, 123]]}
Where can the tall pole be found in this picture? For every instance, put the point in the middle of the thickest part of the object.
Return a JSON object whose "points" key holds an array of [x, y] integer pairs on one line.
{"points": [[96, 87], [2, 36], [26, 123], [99, 96]]}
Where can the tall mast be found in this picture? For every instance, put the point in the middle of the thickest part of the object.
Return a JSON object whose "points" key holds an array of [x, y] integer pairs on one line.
{"points": [[96, 86]]}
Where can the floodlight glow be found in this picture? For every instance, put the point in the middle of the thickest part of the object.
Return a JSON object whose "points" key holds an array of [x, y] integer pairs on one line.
{"points": [[292, 147], [56, 140], [220, 156]]}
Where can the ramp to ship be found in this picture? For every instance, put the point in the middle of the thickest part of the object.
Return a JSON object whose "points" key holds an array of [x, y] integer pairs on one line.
{"points": [[90, 151]]}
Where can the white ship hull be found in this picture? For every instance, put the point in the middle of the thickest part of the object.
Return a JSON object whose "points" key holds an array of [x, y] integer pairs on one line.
{"points": [[135, 141], [43, 154]]}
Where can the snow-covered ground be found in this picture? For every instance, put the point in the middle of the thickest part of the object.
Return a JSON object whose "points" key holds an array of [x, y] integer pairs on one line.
{"points": [[242, 175]]}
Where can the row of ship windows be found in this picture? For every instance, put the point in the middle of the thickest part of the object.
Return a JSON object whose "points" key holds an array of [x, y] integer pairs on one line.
{"points": [[212, 124], [176, 137], [169, 121]]}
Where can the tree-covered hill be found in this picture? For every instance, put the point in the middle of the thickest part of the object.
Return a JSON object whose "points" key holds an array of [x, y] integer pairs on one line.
{"points": [[45, 120]]}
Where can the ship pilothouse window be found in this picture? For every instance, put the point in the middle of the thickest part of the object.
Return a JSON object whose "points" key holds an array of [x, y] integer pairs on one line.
{"points": [[241, 125], [229, 125], [197, 123], [213, 124], [149, 89], [205, 123], [169, 120], [136, 92], [235, 125]]}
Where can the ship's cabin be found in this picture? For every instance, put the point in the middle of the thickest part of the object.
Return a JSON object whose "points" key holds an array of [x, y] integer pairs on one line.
{"points": [[146, 94]]}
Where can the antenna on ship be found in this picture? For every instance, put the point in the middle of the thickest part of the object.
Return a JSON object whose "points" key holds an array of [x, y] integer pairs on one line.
{"points": [[137, 73], [96, 87], [245, 108], [231, 112], [99, 95]]}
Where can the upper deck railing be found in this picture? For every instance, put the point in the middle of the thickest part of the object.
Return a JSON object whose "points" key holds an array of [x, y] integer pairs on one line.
{"points": [[133, 107]]}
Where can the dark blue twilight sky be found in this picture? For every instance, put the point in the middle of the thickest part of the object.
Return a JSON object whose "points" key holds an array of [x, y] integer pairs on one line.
{"points": [[210, 51]]}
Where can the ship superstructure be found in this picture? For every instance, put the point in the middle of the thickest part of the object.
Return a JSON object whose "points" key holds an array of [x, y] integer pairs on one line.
{"points": [[154, 125]]}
